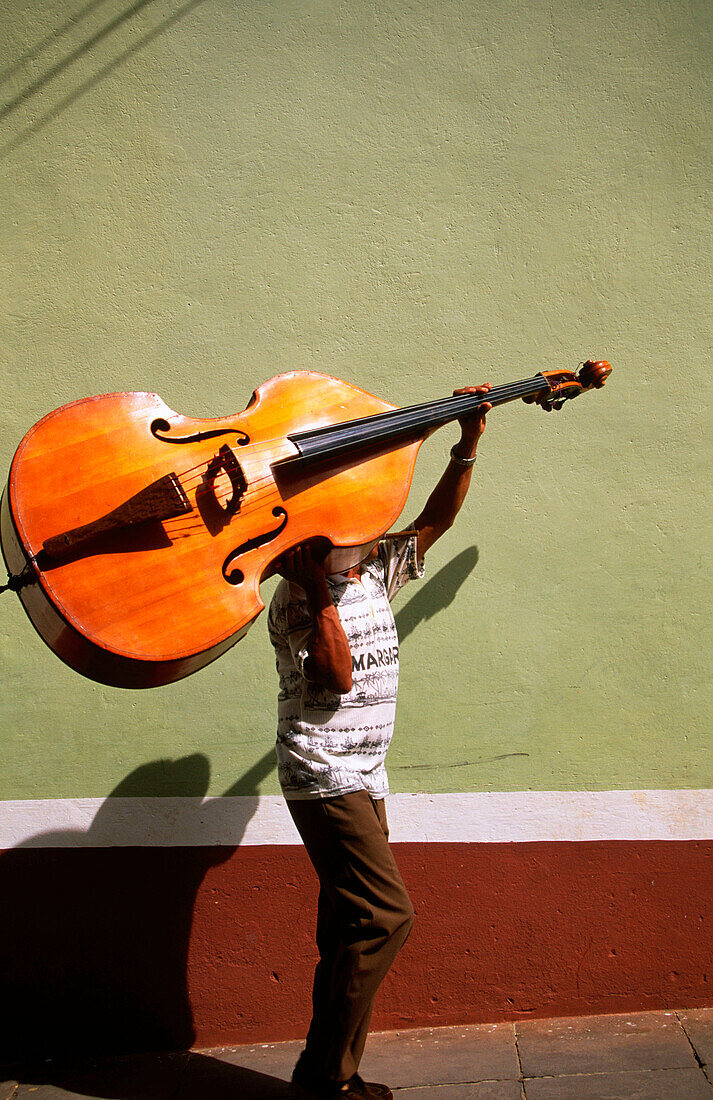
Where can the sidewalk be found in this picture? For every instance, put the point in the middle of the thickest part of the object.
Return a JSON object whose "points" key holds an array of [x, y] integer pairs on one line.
{"points": [[640, 1056]]}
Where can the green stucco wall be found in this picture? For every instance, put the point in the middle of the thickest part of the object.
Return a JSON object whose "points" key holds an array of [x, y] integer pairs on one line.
{"points": [[410, 196]]}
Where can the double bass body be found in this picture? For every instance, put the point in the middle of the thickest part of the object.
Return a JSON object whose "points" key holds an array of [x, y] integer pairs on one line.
{"points": [[137, 538], [142, 536]]}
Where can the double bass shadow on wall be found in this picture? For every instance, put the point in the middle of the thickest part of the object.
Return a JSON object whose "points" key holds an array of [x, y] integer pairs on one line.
{"points": [[95, 940]]}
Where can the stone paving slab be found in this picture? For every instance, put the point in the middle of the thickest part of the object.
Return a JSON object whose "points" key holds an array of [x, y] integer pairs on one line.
{"points": [[441, 1056], [603, 1044], [660, 1084], [143, 1077], [640, 1056], [481, 1090], [226, 1078], [698, 1025], [276, 1060]]}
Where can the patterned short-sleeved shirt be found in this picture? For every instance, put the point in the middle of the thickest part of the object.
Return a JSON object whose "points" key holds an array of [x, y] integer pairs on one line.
{"points": [[329, 744]]}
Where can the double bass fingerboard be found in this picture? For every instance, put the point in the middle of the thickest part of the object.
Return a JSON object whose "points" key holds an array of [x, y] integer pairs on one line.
{"points": [[412, 422]]}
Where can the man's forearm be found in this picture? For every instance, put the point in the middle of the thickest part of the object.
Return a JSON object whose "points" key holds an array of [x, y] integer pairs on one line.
{"points": [[329, 659], [329, 662], [446, 500]]}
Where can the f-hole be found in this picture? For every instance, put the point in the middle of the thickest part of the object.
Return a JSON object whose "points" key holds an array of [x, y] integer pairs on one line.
{"points": [[236, 576], [160, 426]]}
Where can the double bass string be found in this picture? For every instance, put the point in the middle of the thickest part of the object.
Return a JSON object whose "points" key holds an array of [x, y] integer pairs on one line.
{"points": [[407, 418], [340, 438], [453, 407], [262, 490], [260, 493]]}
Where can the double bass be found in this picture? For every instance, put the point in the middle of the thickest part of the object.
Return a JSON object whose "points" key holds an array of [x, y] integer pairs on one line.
{"points": [[137, 538]]}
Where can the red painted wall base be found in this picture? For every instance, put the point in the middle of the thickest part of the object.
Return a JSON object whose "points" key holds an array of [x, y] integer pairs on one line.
{"points": [[118, 950]]}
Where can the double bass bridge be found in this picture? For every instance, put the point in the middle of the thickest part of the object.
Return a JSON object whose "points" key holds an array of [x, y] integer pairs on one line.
{"points": [[221, 490], [219, 498]]}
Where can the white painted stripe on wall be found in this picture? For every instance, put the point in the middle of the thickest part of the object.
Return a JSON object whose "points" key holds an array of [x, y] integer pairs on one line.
{"points": [[497, 817]]}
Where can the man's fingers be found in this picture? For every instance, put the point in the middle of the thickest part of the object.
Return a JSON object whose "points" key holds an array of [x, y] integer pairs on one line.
{"points": [[484, 388], [296, 560], [289, 562]]}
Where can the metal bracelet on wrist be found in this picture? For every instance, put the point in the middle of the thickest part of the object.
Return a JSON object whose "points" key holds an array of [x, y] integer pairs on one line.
{"points": [[460, 461]]}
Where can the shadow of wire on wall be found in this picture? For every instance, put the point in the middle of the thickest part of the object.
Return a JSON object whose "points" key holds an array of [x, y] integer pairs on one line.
{"points": [[95, 939], [72, 60]]}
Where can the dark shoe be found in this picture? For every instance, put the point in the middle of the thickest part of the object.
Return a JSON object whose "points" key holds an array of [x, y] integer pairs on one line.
{"points": [[372, 1090], [306, 1086]]}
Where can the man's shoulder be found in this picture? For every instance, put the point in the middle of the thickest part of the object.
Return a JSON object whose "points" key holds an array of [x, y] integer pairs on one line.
{"points": [[288, 607], [281, 594], [377, 570], [398, 552]]}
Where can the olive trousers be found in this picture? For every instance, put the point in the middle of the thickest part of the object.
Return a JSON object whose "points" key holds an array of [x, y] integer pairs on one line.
{"points": [[364, 916]]}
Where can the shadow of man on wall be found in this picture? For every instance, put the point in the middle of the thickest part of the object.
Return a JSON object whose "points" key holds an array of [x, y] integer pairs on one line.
{"points": [[437, 593], [95, 939], [95, 933]]}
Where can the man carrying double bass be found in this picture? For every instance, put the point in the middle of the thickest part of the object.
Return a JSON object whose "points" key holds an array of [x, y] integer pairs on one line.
{"points": [[337, 660]]}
